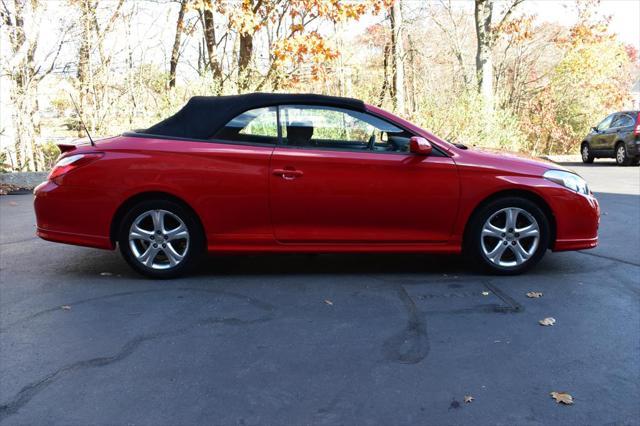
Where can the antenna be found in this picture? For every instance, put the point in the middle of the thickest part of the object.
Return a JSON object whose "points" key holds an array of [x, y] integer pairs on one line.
{"points": [[81, 120]]}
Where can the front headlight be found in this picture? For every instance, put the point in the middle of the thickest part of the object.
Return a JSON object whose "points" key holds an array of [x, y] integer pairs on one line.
{"points": [[569, 180]]}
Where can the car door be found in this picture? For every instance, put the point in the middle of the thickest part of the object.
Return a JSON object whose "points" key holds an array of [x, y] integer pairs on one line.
{"points": [[599, 141], [234, 175], [341, 176], [610, 135]]}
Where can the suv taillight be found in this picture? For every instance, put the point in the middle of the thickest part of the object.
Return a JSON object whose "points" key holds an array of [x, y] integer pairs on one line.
{"points": [[67, 164], [636, 131]]}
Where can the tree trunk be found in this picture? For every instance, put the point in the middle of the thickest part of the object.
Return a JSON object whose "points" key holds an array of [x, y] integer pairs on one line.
{"points": [[412, 81], [484, 62], [175, 52], [201, 65], [83, 62], [397, 49], [210, 41], [244, 58], [385, 80]]}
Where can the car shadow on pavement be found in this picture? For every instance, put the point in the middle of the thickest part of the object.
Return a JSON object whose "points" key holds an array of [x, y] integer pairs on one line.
{"points": [[598, 163], [272, 264]]}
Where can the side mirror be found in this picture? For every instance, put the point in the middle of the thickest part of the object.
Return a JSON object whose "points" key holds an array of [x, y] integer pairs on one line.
{"points": [[595, 129], [420, 146]]}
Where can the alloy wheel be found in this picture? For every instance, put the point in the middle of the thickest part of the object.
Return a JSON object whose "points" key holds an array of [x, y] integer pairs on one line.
{"points": [[159, 239], [621, 155], [510, 237], [585, 153]]}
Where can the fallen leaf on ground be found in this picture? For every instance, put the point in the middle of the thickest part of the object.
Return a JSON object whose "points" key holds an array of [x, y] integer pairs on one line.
{"points": [[534, 294], [562, 397], [485, 293], [547, 321], [468, 398], [65, 307], [106, 274], [328, 302]]}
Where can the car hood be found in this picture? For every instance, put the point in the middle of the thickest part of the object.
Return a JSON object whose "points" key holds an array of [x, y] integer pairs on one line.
{"points": [[509, 161]]}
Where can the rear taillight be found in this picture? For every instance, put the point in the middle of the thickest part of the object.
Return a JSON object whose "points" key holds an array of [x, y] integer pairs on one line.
{"points": [[67, 164], [636, 131]]}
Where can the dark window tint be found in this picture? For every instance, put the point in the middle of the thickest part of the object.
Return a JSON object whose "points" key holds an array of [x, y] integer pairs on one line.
{"points": [[624, 120], [254, 126], [606, 123]]}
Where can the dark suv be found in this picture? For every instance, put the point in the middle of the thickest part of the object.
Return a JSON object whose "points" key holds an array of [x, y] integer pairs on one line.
{"points": [[617, 136]]}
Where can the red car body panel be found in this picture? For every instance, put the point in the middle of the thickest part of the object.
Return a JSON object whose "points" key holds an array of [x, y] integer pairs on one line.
{"points": [[344, 201], [344, 196]]}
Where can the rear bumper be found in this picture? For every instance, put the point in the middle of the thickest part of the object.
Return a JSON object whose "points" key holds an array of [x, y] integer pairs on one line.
{"points": [[72, 215], [633, 148], [75, 239]]}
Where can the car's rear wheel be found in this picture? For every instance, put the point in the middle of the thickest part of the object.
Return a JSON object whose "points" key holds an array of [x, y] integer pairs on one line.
{"points": [[508, 235], [585, 152], [160, 239], [622, 158]]}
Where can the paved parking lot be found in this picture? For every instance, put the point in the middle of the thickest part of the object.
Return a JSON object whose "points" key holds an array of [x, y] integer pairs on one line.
{"points": [[376, 339]]}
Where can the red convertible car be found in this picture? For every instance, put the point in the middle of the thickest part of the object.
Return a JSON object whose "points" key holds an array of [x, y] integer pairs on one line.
{"points": [[303, 173]]}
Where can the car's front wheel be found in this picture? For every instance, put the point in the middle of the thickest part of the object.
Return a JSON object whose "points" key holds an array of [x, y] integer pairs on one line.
{"points": [[508, 235], [160, 239]]}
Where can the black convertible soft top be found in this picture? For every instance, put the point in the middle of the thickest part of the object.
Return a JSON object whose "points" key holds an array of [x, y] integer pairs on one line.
{"points": [[202, 116]]}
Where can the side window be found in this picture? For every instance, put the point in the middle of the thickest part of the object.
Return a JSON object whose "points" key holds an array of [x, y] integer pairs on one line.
{"points": [[336, 128], [624, 120], [606, 123], [255, 126]]}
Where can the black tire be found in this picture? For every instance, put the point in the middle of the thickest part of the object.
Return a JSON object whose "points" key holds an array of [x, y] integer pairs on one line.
{"points": [[586, 154], [193, 246], [622, 157], [473, 243]]}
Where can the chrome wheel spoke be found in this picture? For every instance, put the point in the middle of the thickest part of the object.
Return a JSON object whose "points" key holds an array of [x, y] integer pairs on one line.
{"points": [[149, 256], [512, 217], [172, 255], [137, 233], [496, 254], [179, 233], [528, 231], [490, 230], [521, 254], [158, 220]]}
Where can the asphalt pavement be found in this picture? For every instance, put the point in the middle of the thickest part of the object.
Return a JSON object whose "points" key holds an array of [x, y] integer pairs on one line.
{"points": [[329, 339]]}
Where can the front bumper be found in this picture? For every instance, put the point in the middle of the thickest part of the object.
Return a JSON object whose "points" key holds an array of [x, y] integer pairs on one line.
{"points": [[577, 221]]}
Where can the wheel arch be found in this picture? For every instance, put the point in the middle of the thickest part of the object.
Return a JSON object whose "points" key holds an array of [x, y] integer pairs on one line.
{"points": [[522, 193], [146, 196]]}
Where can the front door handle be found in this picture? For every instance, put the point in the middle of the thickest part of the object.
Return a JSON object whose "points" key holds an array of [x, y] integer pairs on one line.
{"points": [[288, 174]]}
